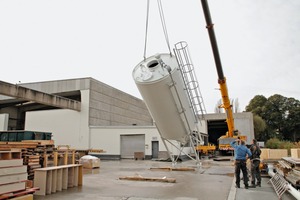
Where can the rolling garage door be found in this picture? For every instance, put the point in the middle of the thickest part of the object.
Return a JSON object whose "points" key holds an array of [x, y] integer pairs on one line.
{"points": [[131, 144]]}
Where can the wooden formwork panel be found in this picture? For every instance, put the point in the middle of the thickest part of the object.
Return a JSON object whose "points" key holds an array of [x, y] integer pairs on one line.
{"points": [[53, 179], [273, 153], [264, 153], [295, 153], [12, 187], [278, 153]]}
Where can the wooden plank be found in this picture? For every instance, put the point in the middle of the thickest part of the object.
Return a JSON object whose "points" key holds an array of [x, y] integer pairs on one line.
{"points": [[13, 178], [18, 194], [278, 153], [71, 172], [8, 155], [295, 153], [80, 177], [55, 159], [13, 170], [140, 178], [75, 180], [49, 182], [54, 181], [40, 142], [58, 167], [11, 163], [40, 178], [7, 188], [65, 179], [24, 197], [173, 168], [265, 153], [59, 180]]}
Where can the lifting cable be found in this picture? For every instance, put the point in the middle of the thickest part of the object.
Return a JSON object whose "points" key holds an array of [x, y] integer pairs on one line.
{"points": [[162, 18]]}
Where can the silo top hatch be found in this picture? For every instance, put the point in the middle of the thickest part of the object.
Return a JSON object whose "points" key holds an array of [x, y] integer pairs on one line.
{"points": [[154, 68]]}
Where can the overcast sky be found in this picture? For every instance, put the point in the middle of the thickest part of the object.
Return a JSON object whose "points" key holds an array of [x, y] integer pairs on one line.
{"points": [[259, 43]]}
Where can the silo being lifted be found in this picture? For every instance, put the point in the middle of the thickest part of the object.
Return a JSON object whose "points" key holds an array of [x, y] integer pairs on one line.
{"points": [[161, 85]]}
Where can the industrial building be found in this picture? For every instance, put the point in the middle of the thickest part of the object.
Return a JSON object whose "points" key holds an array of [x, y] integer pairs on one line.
{"points": [[88, 114]]}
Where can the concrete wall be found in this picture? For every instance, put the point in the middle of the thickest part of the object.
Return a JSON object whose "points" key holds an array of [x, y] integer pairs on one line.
{"points": [[242, 121], [109, 139], [4, 122], [60, 85], [68, 127], [112, 107], [108, 106]]}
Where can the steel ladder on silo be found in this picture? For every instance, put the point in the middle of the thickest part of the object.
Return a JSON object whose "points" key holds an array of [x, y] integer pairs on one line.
{"points": [[190, 79]]}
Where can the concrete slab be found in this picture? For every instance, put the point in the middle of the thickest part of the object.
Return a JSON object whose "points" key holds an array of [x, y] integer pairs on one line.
{"points": [[213, 180]]}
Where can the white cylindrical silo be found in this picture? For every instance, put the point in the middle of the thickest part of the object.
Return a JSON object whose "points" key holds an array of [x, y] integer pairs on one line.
{"points": [[169, 106]]}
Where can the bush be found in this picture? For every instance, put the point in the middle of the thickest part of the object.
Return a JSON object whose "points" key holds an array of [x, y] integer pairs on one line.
{"points": [[275, 143]]}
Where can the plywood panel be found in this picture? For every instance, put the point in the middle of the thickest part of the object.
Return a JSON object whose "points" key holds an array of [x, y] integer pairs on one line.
{"points": [[11, 163], [295, 153], [40, 178], [71, 177], [25, 197], [49, 182], [65, 179], [13, 170], [59, 180], [54, 181], [278, 153], [265, 154], [12, 187], [13, 178]]}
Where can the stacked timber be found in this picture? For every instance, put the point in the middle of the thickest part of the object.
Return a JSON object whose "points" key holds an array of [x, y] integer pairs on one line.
{"points": [[13, 175], [35, 153], [289, 167], [32, 162]]}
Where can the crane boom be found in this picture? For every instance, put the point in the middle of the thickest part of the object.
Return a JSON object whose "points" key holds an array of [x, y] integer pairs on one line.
{"points": [[221, 78]]}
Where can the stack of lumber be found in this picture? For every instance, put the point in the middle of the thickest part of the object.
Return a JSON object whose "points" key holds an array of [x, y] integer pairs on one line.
{"points": [[35, 153], [291, 170], [13, 175], [32, 162], [284, 167]]}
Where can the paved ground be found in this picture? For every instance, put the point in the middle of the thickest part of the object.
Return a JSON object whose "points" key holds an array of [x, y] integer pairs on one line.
{"points": [[214, 180]]}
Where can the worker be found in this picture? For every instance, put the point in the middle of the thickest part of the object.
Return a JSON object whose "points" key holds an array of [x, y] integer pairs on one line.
{"points": [[241, 153], [255, 162]]}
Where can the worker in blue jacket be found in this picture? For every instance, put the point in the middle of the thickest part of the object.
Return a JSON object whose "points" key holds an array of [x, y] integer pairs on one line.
{"points": [[241, 153]]}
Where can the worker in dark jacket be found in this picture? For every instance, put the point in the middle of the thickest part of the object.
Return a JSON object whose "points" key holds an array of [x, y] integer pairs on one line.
{"points": [[255, 162], [241, 153]]}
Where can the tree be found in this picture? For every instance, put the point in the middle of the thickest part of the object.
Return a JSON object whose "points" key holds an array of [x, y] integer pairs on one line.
{"points": [[259, 127], [281, 115], [291, 129], [273, 112], [256, 104]]}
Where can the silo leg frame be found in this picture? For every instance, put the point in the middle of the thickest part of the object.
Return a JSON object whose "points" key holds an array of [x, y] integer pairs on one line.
{"points": [[175, 158]]}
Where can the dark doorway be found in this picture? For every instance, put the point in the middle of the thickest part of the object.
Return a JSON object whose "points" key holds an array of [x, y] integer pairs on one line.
{"points": [[155, 149], [216, 128]]}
